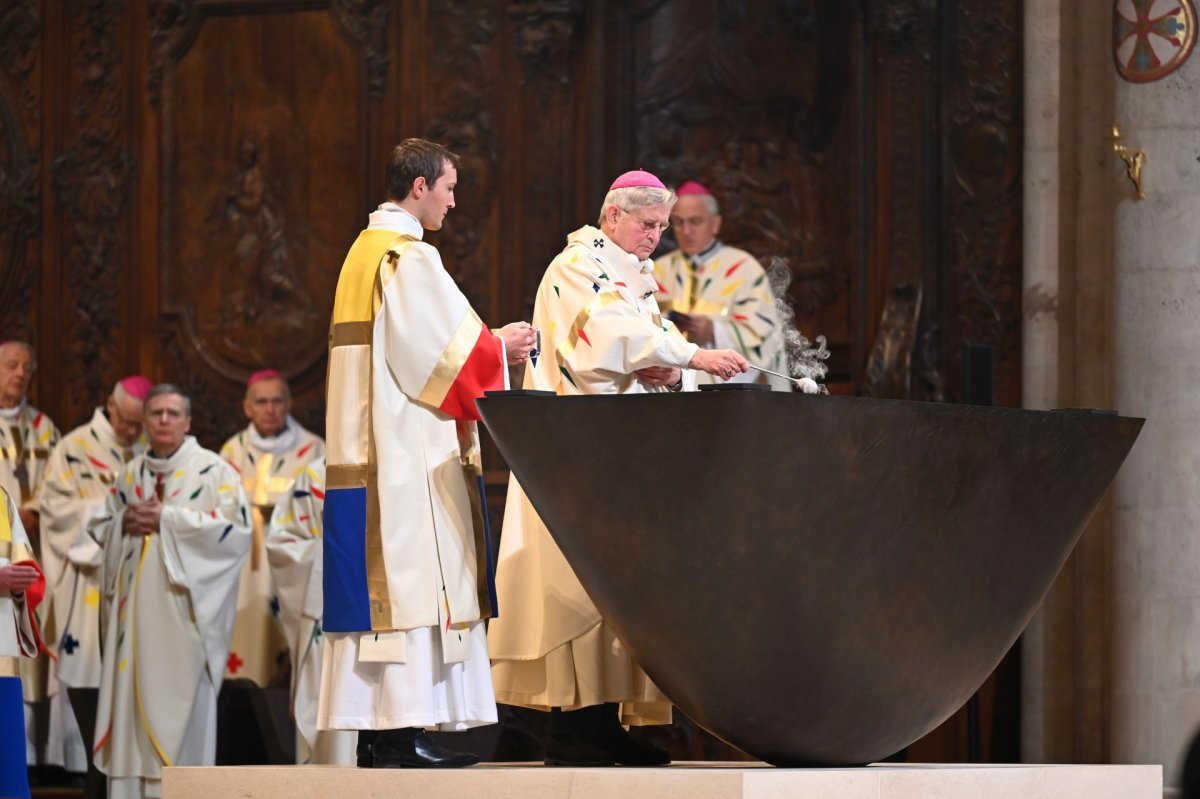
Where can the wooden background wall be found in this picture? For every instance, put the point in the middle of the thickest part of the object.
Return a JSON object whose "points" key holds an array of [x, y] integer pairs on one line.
{"points": [[179, 179]]}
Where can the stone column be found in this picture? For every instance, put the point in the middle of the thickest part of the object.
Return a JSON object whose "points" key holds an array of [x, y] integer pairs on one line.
{"points": [[1156, 330], [1067, 354]]}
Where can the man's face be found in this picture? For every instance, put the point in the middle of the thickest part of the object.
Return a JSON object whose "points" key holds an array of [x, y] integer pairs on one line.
{"points": [[695, 226], [125, 415], [638, 231], [267, 406], [437, 200], [16, 370], [167, 423]]}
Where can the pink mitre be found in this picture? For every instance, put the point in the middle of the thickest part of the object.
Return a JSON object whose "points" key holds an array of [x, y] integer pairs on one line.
{"points": [[136, 386], [264, 374], [691, 188], [636, 179]]}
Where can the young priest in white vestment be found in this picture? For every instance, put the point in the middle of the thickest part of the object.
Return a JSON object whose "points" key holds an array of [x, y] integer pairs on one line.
{"points": [[407, 557], [175, 532], [602, 333]]}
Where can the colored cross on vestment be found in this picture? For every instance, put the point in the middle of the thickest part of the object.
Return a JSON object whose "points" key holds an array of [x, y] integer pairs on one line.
{"points": [[234, 663], [69, 644]]}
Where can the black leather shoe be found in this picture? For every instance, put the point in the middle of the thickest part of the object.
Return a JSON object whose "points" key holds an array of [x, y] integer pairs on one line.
{"points": [[577, 751], [366, 740], [593, 736], [412, 748]]}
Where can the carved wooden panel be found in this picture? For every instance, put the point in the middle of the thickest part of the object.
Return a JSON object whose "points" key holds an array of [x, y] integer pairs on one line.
{"points": [[264, 122], [780, 147], [20, 166]]}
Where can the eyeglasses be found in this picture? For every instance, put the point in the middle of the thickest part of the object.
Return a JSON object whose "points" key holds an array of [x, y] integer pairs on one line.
{"points": [[647, 225]]}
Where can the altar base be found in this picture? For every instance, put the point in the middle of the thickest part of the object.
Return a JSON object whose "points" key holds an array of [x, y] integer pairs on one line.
{"points": [[678, 781]]}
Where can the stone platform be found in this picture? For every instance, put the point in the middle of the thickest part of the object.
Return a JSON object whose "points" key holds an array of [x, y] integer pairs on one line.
{"points": [[679, 781]]}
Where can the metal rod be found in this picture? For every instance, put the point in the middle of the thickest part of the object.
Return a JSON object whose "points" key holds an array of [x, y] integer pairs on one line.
{"points": [[777, 374]]}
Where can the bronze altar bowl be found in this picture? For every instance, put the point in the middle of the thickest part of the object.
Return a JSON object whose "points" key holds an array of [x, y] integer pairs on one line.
{"points": [[815, 580]]}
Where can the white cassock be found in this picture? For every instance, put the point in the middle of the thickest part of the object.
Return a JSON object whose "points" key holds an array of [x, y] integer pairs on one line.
{"points": [[730, 287], [550, 648], [297, 563], [267, 467], [406, 560], [76, 486], [169, 603]]}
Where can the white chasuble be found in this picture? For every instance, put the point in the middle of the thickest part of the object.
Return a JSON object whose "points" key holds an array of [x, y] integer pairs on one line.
{"points": [[169, 603], [729, 286], [295, 556], [267, 468], [407, 557], [600, 323], [77, 485]]}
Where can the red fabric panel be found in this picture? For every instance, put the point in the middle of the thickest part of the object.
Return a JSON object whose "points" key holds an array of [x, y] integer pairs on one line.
{"points": [[34, 595], [483, 371]]}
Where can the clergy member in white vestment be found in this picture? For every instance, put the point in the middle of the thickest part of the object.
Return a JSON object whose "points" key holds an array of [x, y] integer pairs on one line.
{"points": [[297, 563], [407, 558], [719, 296], [269, 455], [80, 474], [175, 532], [602, 333], [21, 590], [27, 437]]}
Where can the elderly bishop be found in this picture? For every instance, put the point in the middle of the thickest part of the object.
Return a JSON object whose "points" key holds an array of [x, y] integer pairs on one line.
{"points": [[269, 455], [175, 533]]}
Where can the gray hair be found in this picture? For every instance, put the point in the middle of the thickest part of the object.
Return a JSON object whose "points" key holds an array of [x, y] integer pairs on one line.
{"points": [[25, 345], [710, 202], [168, 388], [635, 197]]}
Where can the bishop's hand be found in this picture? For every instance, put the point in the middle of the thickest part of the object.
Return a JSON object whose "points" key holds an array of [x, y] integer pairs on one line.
{"points": [[17, 577], [719, 363], [142, 518]]}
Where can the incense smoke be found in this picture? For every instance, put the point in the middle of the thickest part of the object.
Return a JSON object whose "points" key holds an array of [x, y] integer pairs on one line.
{"points": [[805, 362]]}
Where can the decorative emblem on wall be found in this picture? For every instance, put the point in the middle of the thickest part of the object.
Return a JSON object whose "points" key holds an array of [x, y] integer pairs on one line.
{"points": [[1152, 38]]}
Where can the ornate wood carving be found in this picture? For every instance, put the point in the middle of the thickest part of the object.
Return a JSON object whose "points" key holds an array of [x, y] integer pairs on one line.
{"points": [[20, 32], [366, 22], [771, 144], [463, 118], [92, 182], [260, 202], [982, 231]]}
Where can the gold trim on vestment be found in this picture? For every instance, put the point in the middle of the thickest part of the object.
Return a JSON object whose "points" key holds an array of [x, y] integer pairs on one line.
{"points": [[349, 334], [567, 346], [454, 357], [354, 475], [137, 693], [377, 583]]}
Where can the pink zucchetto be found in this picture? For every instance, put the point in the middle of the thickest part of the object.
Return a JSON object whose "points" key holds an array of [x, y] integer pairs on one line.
{"points": [[691, 188], [635, 179], [136, 386], [264, 374]]}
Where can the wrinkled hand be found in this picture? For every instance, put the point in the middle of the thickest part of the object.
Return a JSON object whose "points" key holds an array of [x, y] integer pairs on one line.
{"points": [[659, 375], [698, 327], [719, 363], [142, 518], [519, 339], [15, 578]]}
